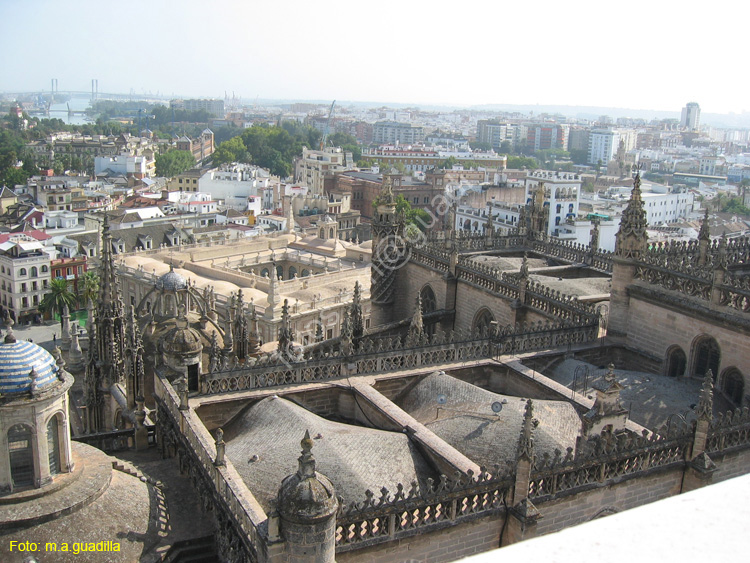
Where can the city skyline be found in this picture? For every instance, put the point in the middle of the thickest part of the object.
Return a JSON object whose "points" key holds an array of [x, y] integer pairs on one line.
{"points": [[417, 53]]}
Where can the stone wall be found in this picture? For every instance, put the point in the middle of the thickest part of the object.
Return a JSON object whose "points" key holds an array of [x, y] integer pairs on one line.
{"points": [[654, 327], [449, 544], [470, 300], [579, 508]]}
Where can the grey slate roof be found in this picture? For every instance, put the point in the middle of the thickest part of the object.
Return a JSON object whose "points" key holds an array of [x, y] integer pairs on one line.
{"points": [[466, 420], [353, 458]]}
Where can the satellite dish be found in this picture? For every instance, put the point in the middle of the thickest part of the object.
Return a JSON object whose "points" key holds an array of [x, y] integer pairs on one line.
{"points": [[442, 399], [497, 407]]}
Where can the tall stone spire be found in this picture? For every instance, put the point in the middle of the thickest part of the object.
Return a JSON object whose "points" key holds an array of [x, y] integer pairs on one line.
{"points": [[134, 365], [388, 252], [705, 408], [286, 335], [358, 325], [416, 328], [704, 240], [631, 239], [526, 440], [106, 363], [704, 233], [594, 242]]}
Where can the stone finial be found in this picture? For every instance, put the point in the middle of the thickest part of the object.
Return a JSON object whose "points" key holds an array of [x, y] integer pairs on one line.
{"points": [[306, 469], [220, 448], [182, 389], [610, 375], [525, 266], [594, 241], [10, 338], [33, 388], [416, 328], [526, 440], [705, 409], [704, 233]]}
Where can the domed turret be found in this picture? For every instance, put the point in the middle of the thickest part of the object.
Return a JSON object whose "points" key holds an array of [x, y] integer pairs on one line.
{"points": [[307, 504], [18, 359], [171, 281], [182, 349]]}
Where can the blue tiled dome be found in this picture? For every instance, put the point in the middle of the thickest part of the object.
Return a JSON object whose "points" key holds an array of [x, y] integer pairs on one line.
{"points": [[16, 362], [171, 281]]}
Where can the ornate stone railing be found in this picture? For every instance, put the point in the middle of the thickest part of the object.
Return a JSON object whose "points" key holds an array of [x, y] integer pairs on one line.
{"points": [[729, 431], [493, 280], [432, 257], [700, 282], [548, 301], [599, 260], [383, 355], [388, 517], [605, 458], [242, 528]]}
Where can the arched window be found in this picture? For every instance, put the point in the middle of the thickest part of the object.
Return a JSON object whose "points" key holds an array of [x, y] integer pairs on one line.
{"points": [[483, 320], [305, 273], [676, 362], [34, 272], [733, 384], [706, 356], [264, 273], [22, 272], [53, 444], [429, 305], [292, 272], [20, 448], [280, 272], [45, 269]]}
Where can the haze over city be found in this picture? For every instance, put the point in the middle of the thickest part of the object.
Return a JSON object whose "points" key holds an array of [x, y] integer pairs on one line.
{"points": [[639, 55]]}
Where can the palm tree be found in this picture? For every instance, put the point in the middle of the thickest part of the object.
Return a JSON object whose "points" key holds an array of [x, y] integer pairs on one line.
{"points": [[90, 289], [58, 297]]}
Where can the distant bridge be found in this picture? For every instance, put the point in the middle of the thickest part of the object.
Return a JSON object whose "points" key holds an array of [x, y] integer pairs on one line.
{"points": [[87, 94]]}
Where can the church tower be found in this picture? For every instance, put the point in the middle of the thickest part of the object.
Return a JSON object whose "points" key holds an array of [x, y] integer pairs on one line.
{"points": [[388, 254], [107, 345]]}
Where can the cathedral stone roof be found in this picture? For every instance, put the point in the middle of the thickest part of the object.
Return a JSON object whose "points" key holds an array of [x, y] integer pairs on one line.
{"points": [[171, 281], [17, 360], [263, 444], [463, 415]]}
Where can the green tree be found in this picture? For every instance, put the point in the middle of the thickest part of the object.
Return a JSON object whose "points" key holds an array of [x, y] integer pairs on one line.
{"points": [[57, 298], [173, 162], [233, 150], [480, 146], [89, 290], [579, 156], [518, 162]]}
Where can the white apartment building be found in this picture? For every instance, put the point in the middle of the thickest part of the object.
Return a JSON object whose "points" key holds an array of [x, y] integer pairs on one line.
{"points": [[125, 164], [561, 196], [561, 192], [392, 132], [235, 183], [603, 145], [661, 206], [24, 277], [196, 202], [667, 208]]}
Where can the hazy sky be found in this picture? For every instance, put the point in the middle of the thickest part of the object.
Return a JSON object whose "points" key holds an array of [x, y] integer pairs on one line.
{"points": [[640, 54]]}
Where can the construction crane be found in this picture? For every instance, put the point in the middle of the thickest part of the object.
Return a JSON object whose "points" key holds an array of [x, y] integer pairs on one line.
{"points": [[328, 126]]}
